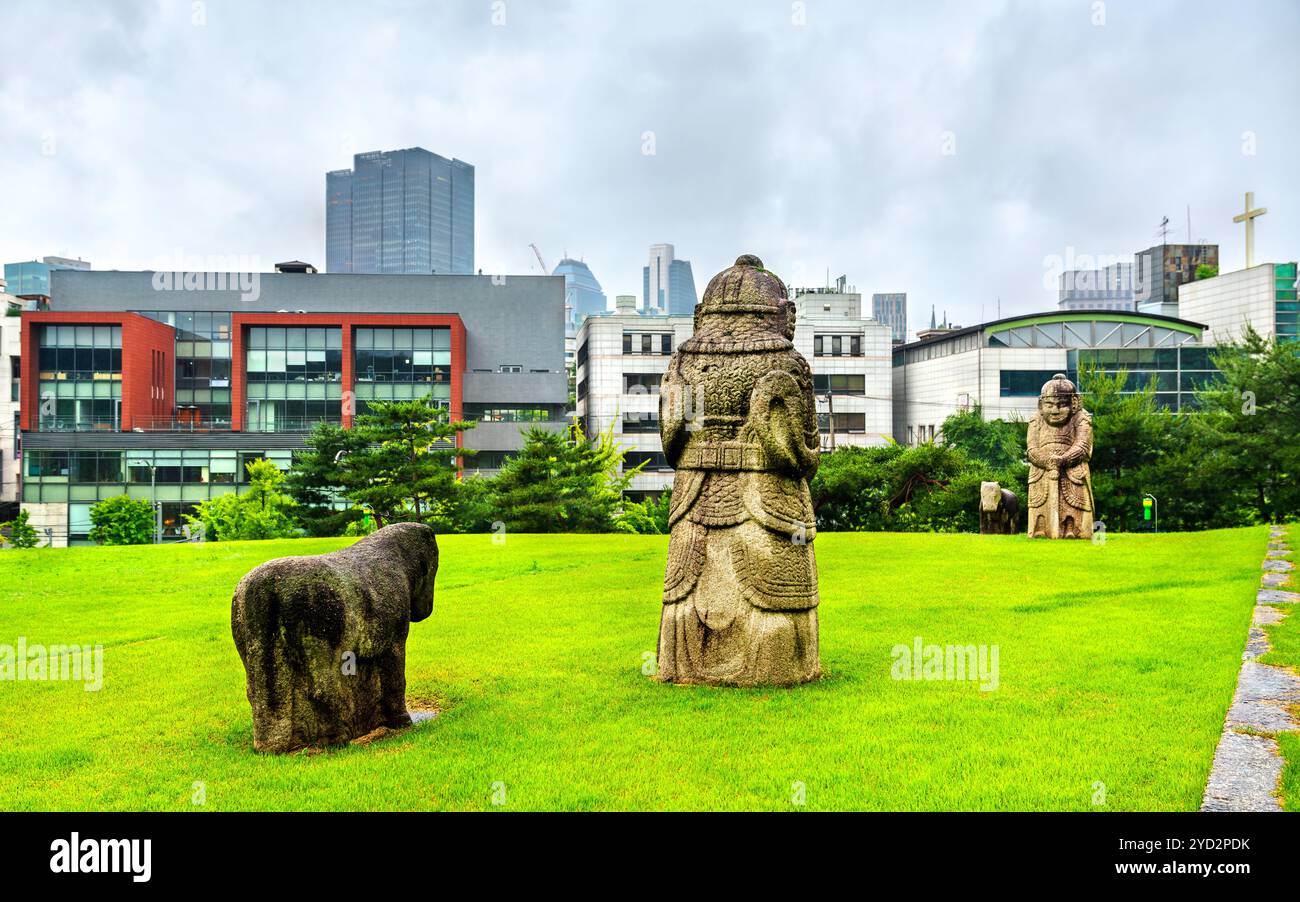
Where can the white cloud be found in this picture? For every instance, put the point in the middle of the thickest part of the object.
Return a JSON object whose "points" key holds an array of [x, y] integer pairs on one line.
{"points": [[819, 146]]}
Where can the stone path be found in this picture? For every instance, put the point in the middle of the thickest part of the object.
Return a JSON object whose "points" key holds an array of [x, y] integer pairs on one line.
{"points": [[1247, 764]]}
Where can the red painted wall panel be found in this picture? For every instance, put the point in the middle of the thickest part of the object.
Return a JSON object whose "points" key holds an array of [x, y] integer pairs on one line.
{"points": [[148, 382], [348, 321], [149, 364]]}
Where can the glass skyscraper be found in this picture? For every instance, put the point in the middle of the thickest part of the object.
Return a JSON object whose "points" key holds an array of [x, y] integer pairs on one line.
{"points": [[583, 296], [400, 211], [890, 308], [667, 284]]}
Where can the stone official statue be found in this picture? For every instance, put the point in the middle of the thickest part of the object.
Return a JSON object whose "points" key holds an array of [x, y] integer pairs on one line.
{"points": [[1059, 448], [739, 424]]}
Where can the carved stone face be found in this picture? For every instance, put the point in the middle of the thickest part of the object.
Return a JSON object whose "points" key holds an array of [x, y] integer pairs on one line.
{"points": [[1056, 409], [788, 326]]}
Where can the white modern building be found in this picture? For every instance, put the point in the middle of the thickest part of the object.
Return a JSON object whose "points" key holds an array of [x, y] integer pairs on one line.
{"points": [[621, 361], [622, 358], [850, 358], [10, 381], [1263, 296], [1002, 365]]}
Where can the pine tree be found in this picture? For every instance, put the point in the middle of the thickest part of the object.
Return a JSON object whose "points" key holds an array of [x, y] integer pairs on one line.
{"points": [[562, 482]]}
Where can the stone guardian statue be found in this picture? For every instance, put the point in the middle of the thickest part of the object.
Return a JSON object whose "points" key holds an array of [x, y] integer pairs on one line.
{"points": [[1059, 449], [739, 424], [999, 509], [323, 638]]}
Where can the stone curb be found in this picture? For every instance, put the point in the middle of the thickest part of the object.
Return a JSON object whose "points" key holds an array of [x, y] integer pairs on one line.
{"points": [[1247, 770]]}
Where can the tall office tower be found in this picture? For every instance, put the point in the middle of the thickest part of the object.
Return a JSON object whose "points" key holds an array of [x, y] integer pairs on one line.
{"points": [[891, 309], [400, 211], [668, 284]]}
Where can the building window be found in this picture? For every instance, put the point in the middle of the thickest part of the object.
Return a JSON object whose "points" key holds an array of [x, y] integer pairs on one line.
{"points": [[401, 365], [295, 377], [1023, 383], [642, 383], [488, 460], [840, 384], [844, 422], [653, 460], [641, 422], [648, 343], [485, 414], [839, 345], [80, 373]]}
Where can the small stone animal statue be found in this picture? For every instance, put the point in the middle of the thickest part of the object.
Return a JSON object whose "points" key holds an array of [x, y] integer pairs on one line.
{"points": [[323, 638], [999, 509]]}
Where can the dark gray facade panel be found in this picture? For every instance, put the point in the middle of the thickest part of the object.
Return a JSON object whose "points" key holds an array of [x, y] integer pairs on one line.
{"points": [[509, 320], [516, 388]]}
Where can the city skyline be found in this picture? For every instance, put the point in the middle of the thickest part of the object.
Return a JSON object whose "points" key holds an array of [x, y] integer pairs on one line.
{"points": [[968, 158]]}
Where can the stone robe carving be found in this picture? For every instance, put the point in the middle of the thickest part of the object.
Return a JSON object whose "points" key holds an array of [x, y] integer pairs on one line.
{"points": [[739, 424], [1059, 449]]}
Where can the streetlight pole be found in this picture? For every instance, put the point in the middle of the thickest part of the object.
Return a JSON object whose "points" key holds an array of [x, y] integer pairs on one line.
{"points": [[153, 497]]}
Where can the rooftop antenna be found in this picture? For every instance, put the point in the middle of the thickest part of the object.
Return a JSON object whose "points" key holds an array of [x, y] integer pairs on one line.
{"points": [[1189, 223], [1163, 229]]}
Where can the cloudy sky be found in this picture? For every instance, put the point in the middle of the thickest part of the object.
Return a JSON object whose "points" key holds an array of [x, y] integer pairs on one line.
{"points": [[951, 150]]}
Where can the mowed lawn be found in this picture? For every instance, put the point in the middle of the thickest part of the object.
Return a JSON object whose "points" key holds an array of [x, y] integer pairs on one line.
{"points": [[1117, 663]]}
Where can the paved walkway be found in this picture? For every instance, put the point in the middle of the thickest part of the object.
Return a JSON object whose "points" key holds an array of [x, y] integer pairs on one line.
{"points": [[1247, 764]]}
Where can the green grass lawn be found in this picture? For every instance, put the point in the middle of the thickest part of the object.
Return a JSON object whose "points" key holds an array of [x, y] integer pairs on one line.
{"points": [[1117, 663]]}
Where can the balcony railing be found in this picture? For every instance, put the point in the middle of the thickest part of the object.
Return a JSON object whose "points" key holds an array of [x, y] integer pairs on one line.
{"points": [[289, 424], [180, 424]]}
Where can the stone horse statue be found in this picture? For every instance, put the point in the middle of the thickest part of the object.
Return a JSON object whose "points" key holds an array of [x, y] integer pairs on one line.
{"points": [[999, 509], [323, 639]]}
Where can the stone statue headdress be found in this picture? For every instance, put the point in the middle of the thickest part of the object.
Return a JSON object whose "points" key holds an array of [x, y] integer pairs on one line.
{"points": [[745, 308]]}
